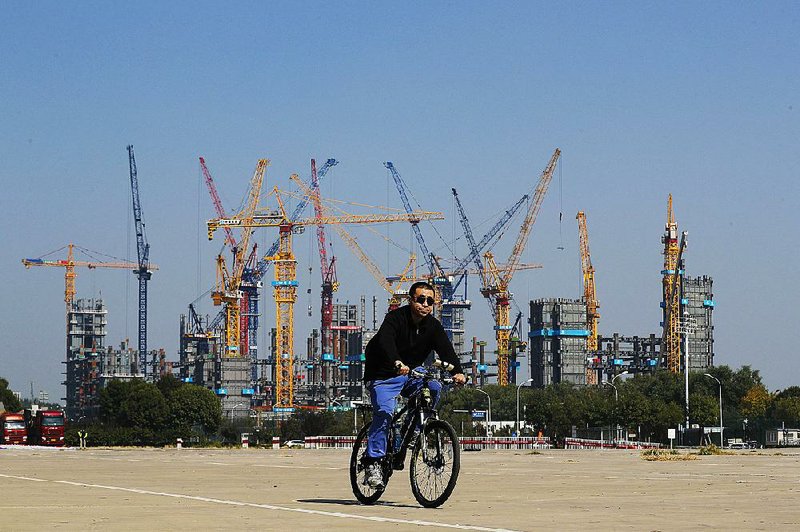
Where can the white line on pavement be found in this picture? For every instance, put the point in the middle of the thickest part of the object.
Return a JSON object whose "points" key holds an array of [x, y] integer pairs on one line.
{"points": [[268, 506]]}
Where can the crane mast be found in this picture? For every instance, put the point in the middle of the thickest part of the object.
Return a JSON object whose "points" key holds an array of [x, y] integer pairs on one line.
{"points": [[672, 284], [142, 272], [327, 269], [589, 292], [500, 278]]}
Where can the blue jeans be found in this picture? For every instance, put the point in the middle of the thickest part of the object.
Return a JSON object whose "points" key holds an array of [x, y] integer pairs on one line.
{"points": [[383, 395]]}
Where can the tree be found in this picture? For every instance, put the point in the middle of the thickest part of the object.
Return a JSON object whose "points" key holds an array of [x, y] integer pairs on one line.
{"points": [[787, 410], [7, 397], [193, 407], [755, 402]]}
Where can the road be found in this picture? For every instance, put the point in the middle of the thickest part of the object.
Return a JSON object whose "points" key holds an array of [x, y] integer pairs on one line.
{"points": [[303, 489]]}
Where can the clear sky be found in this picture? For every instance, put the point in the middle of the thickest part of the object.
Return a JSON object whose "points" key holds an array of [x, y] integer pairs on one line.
{"points": [[643, 98]]}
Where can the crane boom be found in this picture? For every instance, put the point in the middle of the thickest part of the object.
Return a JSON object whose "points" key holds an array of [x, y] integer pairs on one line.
{"points": [[143, 252], [212, 190], [70, 264], [401, 188], [530, 217], [497, 287], [348, 239]]}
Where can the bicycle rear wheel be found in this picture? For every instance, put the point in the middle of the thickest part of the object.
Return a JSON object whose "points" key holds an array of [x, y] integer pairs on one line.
{"points": [[435, 463], [365, 493]]}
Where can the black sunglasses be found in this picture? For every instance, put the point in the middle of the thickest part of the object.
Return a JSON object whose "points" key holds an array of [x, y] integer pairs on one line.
{"points": [[422, 300]]}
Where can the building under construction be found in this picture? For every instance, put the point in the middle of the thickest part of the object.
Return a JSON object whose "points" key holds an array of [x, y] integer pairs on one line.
{"points": [[698, 305], [559, 333], [90, 365], [557, 340]]}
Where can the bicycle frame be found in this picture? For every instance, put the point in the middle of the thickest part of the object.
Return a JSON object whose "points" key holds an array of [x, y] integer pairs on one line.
{"points": [[417, 411]]}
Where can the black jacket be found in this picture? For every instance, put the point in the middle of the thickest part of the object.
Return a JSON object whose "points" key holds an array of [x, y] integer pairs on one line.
{"points": [[399, 339]]}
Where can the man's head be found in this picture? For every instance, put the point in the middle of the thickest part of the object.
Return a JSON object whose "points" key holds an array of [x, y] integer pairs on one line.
{"points": [[421, 299]]}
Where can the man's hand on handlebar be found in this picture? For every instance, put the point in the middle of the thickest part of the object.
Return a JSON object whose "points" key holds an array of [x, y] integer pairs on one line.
{"points": [[401, 368], [460, 379]]}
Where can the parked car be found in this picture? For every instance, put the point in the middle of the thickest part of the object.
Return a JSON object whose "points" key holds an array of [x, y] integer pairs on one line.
{"points": [[739, 445], [294, 444]]}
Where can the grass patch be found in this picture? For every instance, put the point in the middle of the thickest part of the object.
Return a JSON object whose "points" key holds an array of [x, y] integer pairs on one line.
{"points": [[665, 455], [712, 449]]}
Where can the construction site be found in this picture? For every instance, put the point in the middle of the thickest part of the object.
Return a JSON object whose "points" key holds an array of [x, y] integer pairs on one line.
{"points": [[322, 368]]}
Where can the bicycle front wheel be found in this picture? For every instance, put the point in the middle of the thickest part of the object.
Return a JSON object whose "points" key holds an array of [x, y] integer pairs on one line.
{"points": [[435, 463], [363, 491]]}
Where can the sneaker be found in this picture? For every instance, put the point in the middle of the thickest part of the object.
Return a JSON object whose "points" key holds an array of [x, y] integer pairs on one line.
{"points": [[398, 462], [374, 476]]}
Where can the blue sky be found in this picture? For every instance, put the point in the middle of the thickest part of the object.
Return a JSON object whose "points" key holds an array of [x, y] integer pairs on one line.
{"points": [[644, 99]]}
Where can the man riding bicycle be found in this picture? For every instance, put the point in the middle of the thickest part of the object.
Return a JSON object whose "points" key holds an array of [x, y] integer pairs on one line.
{"points": [[405, 339]]}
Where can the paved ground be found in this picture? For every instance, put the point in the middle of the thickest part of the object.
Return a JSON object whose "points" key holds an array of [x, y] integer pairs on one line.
{"points": [[169, 489]]}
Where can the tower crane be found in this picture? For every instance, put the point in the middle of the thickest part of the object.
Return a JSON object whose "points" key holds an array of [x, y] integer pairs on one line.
{"points": [[497, 287], [476, 248], [69, 264], [427, 257], [285, 283], [672, 286], [248, 304], [327, 269], [143, 272], [589, 293], [228, 290]]}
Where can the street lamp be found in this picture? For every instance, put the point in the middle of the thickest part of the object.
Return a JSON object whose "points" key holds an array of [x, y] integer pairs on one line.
{"points": [[519, 387], [489, 415], [721, 441], [616, 400]]}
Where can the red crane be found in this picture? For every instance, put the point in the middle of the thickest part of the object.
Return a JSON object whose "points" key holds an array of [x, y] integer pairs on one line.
{"points": [[327, 268]]}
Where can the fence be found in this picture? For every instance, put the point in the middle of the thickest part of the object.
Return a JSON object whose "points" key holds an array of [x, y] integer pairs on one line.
{"points": [[467, 443], [582, 443]]}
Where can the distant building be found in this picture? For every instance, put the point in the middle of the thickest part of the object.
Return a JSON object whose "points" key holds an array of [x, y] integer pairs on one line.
{"points": [[783, 437], [698, 303], [557, 341]]}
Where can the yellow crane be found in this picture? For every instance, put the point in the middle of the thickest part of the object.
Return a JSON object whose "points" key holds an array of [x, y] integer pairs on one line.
{"points": [[672, 281], [589, 293], [228, 290], [70, 264], [498, 278], [285, 283]]}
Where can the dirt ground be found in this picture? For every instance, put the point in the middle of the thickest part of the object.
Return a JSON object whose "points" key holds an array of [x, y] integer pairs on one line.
{"points": [[303, 489]]}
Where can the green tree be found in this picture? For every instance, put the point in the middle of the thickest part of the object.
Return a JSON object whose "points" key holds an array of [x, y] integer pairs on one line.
{"points": [[787, 410], [193, 408], [7, 397]]}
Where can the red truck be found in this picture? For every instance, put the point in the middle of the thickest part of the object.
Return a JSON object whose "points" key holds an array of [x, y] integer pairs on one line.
{"points": [[45, 427], [13, 429]]}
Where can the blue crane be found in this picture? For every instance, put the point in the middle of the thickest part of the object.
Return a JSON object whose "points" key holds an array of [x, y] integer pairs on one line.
{"points": [[476, 248], [143, 271], [429, 259]]}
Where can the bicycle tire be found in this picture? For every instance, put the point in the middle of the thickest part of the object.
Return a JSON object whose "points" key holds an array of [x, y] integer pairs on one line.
{"points": [[363, 492], [434, 476]]}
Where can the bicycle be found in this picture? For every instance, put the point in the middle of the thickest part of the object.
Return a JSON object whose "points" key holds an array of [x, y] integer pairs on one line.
{"points": [[435, 455]]}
